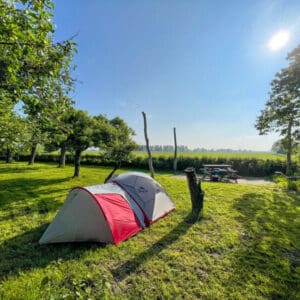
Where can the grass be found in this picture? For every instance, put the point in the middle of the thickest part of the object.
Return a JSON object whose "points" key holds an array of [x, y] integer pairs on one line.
{"points": [[247, 246], [216, 155], [213, 155]]}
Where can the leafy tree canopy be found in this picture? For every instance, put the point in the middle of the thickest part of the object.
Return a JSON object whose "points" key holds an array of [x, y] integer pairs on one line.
{"points": [[282, 110], [28, 56]]}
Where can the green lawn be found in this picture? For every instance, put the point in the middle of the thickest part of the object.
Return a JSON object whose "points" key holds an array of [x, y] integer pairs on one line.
{"points": [[247, 246]]}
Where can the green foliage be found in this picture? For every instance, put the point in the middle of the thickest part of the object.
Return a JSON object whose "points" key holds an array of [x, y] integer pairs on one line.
{"points": [[288, 184], [82, 130], [282, 111], [116, 148], [28, 56], [246, 246], [261, 165], [278, 147], [13, 129], [34, 69]]}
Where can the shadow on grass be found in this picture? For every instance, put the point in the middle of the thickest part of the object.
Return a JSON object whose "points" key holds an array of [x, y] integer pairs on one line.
{"points": [[270, 251], [40, 206], [132, 265], [23, 253], [17, 169], [22, 189]]}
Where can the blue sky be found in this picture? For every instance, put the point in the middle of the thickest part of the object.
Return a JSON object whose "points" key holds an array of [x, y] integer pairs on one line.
{"points": [[203, 67]]}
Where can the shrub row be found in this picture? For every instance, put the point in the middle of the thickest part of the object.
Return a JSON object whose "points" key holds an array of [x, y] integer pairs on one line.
{"points": [[245, 167]]}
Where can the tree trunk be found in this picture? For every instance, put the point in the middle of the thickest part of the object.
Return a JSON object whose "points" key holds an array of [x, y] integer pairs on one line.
{"points": [[289, 149], [175, 151], [62, 156], [77, 163], [32, 154], [9, 157], [151, 169], [197, 195], [116, 167]]}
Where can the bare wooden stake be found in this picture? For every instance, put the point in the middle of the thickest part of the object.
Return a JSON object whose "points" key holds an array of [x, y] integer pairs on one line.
{"points": [[151, 169], [175, 151]]}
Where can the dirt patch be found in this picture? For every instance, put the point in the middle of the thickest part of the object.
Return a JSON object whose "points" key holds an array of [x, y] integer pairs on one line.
{"points": [[243, 180]]}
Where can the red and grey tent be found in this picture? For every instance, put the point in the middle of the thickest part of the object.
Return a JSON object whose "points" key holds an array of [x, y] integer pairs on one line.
{"points": [[111, 212]]}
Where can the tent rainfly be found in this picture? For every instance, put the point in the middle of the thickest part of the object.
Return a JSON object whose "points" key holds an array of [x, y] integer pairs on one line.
{"points": [[111, 212]]}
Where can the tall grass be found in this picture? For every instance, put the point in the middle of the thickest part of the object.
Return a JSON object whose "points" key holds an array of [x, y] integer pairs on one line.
{"points": [[217, 155]]}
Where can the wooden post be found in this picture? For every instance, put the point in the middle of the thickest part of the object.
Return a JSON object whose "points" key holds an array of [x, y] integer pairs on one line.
{"points": [[197, 195], [151, 169], [175, 151]]}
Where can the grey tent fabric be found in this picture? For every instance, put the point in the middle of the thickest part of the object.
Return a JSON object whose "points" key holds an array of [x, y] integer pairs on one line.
{"points": [[149, 194]]}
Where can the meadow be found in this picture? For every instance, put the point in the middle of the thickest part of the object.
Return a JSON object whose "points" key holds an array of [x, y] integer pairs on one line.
{"points": [[216, 155], [246, 246]]}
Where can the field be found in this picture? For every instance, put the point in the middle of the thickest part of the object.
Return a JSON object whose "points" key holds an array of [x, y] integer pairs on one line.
{"points": [[247, 245], [213, 155], [216, 155]]}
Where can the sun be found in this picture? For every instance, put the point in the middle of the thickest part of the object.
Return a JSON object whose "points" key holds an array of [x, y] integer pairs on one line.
{"points": [[279, 40]]}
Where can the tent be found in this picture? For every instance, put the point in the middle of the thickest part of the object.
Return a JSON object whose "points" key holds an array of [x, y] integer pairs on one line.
{"points": [[111, 212]]}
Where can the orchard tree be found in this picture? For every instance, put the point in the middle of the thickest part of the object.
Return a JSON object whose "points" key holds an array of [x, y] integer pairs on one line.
{"points": [[282, 110], [12, 134], [116, 144], [61, 127], [46, 118], [82, 136], [60, 138], [32, 67]]}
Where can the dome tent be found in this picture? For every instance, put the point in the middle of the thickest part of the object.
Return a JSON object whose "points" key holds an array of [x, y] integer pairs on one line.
{"points": [[111, 212]]}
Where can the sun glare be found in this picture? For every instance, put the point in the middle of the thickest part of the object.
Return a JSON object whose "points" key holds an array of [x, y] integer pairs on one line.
{"points": [[279, 40]]}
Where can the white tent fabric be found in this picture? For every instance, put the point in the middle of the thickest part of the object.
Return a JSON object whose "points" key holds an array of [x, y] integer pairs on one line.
{"points": [[79, 219]]}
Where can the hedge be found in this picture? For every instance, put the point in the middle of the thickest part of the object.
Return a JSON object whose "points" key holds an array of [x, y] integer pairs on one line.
{"points": [[245, 167]]}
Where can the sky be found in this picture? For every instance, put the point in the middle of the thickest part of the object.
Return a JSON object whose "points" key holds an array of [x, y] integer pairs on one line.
{"points": [[201, 66]]}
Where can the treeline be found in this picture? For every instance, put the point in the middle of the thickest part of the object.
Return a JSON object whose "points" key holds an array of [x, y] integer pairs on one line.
{"points": [[163, 148], [245, 167], [183, 148]]}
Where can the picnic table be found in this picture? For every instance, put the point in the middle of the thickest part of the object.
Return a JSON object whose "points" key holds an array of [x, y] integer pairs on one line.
{"points": [[219, 172]]}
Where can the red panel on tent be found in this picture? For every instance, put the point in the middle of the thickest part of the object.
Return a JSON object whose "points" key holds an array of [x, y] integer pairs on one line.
{"points": [[119, 215]]}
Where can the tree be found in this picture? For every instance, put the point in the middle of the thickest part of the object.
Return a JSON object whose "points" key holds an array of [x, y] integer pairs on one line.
{"points": [[278, 147], [12, 133], [116, 144], [282, 110], [61, 128], [33, 68], [82, 136]]}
